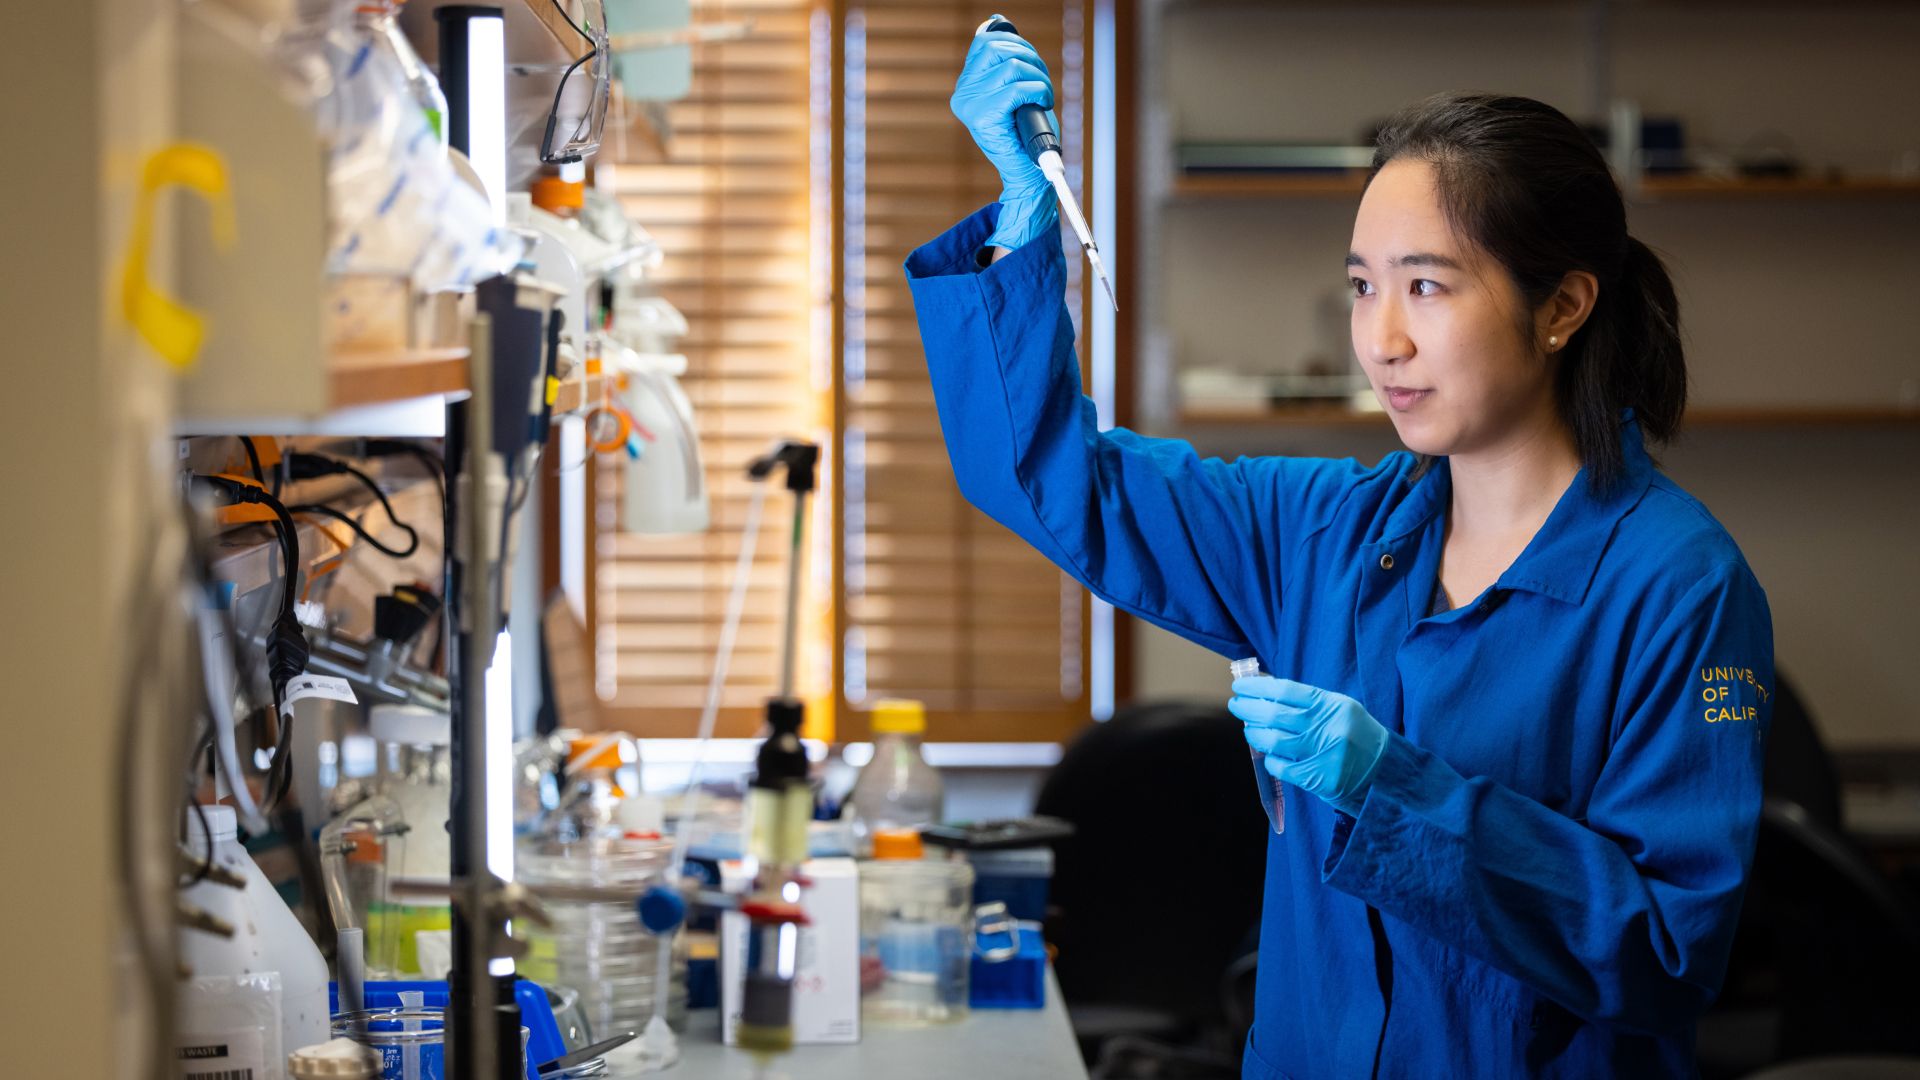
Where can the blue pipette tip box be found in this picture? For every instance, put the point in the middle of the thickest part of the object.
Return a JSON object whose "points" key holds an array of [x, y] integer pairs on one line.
{"points": [[1018, 982]]}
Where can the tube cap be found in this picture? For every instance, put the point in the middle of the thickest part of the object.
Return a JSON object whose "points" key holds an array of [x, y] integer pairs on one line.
{"points": [[898, 844], [341, 1059], [608, 750], [899, 716], [221, 823]]}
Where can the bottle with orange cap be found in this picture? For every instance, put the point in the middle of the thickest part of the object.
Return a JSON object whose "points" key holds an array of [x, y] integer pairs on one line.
{"points": [[897, 788], [559, 197], [590, 805]]}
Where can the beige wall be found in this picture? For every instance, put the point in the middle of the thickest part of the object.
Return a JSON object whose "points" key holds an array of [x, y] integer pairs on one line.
{"points": [[1787, 303]]}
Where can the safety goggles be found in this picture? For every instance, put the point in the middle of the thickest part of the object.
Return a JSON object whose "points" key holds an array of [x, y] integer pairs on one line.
{"points": [[580, 100]]}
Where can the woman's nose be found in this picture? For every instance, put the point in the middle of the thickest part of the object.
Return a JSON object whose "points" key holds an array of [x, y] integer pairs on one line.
{"points": [[1380, 334]]}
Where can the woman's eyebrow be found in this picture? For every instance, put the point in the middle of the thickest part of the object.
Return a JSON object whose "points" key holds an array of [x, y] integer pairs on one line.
{"points": [[1418, 258]]}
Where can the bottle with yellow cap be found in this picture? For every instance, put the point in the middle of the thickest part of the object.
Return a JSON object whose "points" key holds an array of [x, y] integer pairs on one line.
{"points": [[897, 789]]}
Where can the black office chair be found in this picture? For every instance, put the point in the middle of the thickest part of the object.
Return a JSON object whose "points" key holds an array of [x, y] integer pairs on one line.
{"points": [[1825, 955], [1158, 891]]}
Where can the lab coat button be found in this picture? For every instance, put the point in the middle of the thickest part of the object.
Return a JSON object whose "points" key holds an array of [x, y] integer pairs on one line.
{"points": [[1386, 562]]}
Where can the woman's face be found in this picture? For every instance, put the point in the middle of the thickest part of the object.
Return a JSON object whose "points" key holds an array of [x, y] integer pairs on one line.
{"points": [[1436, 323]]}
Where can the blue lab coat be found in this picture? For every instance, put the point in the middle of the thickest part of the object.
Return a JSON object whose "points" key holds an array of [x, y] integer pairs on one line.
{"points": [[1546, 874]]}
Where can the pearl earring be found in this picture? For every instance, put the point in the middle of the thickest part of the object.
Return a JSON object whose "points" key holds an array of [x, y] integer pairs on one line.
{"points": [[1553, 342]]}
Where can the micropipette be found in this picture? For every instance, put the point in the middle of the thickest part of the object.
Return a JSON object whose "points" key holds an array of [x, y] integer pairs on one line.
{"points": [[1042, 144]]}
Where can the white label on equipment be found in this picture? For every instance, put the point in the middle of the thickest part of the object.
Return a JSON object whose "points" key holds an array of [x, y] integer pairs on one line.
{"points": [[316, 686], [229, 1055]]}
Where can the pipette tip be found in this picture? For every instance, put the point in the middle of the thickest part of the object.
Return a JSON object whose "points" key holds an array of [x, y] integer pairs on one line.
{"points": [[1100, 270]]}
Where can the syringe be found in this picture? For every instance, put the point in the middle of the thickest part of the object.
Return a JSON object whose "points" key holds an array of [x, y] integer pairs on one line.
{"points": [[1042, 144]]}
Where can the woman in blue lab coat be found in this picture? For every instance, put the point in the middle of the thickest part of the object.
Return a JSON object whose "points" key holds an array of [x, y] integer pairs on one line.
{"points": [[1520, 679]]}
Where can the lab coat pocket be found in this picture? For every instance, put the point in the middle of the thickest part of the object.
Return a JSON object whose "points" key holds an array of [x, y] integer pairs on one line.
{"points": [[1437, 988]]}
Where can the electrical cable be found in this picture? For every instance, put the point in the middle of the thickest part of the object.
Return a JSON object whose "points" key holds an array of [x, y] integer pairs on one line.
{"points": [[286, 646], [413, 538], [253, 460], [436, 465], [310, 466]]}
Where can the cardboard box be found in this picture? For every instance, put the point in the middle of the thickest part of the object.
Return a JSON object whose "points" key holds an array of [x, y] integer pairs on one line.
{"points": [[826, 984]]}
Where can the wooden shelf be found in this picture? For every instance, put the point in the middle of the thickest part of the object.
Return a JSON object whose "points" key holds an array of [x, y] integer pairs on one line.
{"points": [[1709, 417], [579, 393], [1328, 415], [370, 378], [1784, 187], [1254, 185]]}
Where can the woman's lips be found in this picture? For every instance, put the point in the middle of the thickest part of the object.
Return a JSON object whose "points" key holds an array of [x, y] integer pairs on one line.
{"points": [[1403, 399]]}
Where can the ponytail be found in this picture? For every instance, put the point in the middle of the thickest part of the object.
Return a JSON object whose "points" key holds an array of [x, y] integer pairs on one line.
{"points": [[1526, 185], [1628, 355]]}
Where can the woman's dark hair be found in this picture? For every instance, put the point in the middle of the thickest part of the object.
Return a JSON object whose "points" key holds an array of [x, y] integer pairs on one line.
{"points": [[1526, 185]]}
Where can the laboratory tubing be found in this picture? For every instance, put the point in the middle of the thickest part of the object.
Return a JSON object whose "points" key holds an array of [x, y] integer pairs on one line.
{"points": [[897, 788], [1272, 799], [267, 937], [916, 938]]}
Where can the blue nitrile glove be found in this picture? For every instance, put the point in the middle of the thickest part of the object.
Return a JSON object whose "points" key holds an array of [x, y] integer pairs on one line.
{"points": [[1003, 72], [1323, 743]]}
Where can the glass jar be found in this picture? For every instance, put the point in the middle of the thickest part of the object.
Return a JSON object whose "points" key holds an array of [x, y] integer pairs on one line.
{"points": [[916, 941]]}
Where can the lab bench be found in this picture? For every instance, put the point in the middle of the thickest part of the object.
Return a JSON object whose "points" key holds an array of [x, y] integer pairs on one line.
{"points": [[1006, 1044]]}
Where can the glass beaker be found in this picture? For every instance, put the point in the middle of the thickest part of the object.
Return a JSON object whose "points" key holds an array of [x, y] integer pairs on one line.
{"points": [[410, 1039], [597, 948], [916, 940]]}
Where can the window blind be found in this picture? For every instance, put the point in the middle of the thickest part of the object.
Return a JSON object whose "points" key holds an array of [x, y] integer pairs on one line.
{"points": [[832, 113]]}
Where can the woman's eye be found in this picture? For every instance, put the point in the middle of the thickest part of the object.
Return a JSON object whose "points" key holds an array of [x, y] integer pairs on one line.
{"points": [[1423, 287], [1359, 286]]}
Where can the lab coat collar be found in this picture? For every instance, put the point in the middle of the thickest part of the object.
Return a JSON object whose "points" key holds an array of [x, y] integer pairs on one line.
{"points": [[1561, 559]]}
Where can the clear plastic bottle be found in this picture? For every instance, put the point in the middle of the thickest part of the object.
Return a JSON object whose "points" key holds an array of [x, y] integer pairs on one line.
{"points": [[267, 936], [897, 789], [1271, 798], [590, 804], [379, 19]]}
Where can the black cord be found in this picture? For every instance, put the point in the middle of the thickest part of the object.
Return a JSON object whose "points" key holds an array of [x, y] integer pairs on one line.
{"points": [[206, 833], [253, 460], [308, 466], [287, 643], [547, 154], [413, 538], [562, 9], [434, 463]]}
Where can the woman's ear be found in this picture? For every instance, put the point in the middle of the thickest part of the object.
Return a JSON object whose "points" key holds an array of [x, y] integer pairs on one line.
{"points": [[1566, 310]]}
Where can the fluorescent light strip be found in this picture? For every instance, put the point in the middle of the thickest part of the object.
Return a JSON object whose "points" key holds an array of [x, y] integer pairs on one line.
{"points": [[487, 106]]}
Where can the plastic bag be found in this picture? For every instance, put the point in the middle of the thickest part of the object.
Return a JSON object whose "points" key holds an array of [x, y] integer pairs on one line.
{"points": [[398, 205], [229, 1028]]}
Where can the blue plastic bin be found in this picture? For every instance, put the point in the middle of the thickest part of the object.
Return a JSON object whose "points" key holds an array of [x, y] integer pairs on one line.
{"points": [[1016, 877]]}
